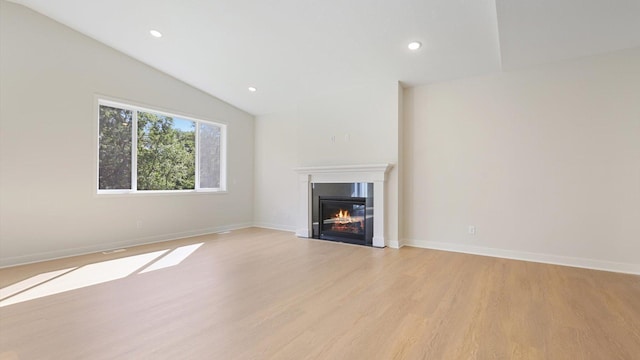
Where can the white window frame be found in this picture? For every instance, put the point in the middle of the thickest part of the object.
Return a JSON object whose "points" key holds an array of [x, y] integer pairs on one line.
{"points": [[134, 151]]}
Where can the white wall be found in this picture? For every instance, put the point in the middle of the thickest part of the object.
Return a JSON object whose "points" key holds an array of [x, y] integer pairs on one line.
{"points": [[364, 121], [48, 207], [276, 184], [545, 162]]}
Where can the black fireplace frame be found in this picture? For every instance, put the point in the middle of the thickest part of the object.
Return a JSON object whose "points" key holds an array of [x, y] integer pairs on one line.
{"points": [[359, 239]]}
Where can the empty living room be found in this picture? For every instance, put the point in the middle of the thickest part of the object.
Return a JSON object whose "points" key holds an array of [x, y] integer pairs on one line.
{"points": [[243, 179]]}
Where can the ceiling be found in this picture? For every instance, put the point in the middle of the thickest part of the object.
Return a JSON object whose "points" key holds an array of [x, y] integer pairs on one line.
{"points": [[294, 50]]}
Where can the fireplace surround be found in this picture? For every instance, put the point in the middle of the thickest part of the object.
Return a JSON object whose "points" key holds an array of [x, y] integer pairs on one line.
{"points": [[375, 175]]}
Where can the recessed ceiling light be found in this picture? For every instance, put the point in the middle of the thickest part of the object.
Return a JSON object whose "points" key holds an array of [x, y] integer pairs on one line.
{"points": [[252, 89], [414, 45], [155, 33]]}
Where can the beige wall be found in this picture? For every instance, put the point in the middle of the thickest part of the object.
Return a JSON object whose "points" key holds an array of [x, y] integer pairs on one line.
{"points": [[50, 75], [364, 121], [545, 162], [276, 184]]}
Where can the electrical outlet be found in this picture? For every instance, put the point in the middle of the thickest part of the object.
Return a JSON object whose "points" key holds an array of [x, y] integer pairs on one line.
{"points": [[472, 230]]}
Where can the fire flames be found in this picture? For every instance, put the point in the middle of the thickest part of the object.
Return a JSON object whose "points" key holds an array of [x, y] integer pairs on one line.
{"points": [[344, 222], [343, 217]]}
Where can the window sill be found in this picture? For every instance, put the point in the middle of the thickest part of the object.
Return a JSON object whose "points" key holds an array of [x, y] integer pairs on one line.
{"points": [[143, 193]]}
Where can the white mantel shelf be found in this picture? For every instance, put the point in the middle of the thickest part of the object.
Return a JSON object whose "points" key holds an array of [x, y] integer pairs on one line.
{"points": [[373, 173], [375, 168]]}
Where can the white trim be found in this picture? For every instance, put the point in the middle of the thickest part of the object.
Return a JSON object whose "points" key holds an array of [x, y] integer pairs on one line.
{"points": [[377, 168], [287, 228], [223, 158], [59, 254], [134, 152], [197, 145], [124, 193], [593, 264], [394, 244]]}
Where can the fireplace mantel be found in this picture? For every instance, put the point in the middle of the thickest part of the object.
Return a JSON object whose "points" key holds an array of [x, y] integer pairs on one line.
{"points": [[371, 173]]}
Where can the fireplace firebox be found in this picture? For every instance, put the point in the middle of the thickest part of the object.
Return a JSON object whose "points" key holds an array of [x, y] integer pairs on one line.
{"points": [[343, 212], [343, 219]]}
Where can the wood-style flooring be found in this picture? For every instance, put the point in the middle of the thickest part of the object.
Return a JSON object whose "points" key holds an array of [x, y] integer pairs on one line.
{"points": [[265, 294]]}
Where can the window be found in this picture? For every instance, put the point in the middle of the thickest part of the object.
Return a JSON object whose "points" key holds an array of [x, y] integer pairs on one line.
{"points": [[147, 150]]}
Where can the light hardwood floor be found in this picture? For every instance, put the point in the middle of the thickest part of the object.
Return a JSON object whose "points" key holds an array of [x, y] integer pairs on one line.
{"points": [[264, 294]]}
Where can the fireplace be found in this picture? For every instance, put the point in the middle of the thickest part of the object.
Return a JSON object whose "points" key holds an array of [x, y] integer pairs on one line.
{"points": [[343, 212], [343, 219], [343, 181]]}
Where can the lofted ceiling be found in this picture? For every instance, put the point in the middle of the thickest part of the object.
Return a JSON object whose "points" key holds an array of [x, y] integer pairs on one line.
{"points": [[293, 50]]}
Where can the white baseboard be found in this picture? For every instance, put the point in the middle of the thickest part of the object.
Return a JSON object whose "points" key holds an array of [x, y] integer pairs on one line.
{"points": [[394, 244], [626, 268], [303, 233], [287, 228], [58, 254]]}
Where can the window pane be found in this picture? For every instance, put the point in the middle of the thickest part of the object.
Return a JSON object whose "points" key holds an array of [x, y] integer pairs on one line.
{"points": [[166, 152], [209, 142], [114, 167]]}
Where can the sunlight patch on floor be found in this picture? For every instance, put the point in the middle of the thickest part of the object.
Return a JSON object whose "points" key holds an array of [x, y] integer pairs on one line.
{"points": [[173, 258], [87, 275], [31, 282]]}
